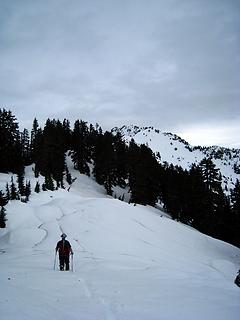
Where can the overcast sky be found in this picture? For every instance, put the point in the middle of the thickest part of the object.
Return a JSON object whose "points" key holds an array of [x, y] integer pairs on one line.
{"points": [[173, 64]]}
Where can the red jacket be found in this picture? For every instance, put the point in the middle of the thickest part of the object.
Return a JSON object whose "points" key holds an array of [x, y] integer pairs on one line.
{"points": [[63, 247]]}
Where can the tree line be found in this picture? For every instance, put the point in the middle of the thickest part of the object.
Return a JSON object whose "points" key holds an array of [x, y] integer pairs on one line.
{"points": [[194, 197]]}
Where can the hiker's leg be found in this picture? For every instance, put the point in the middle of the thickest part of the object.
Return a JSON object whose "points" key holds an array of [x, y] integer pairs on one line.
{"points": [[61, 262], [67, 262]]}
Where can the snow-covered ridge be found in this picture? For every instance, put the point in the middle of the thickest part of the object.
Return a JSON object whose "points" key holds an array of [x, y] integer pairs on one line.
{"points": [[174, 150]]}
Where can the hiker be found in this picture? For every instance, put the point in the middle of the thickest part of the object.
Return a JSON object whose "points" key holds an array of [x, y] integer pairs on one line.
{"points": [[64, 249]]}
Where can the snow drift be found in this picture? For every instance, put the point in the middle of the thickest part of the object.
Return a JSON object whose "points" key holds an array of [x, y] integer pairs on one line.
{"points": [[130, 262]]}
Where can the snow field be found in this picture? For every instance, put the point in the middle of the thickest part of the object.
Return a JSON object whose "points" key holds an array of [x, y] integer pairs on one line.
{"points": [[130, 262]]}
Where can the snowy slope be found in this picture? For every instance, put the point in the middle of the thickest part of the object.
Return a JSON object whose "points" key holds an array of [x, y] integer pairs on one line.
{"points": [[177, 151], [130, 262]]}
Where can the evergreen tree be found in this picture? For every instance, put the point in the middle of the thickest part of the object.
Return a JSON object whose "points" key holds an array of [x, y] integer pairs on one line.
{"points": [[59, 160], [216, 203], [210, 173], [51, 159], [81, 152], [235, 209], [67, 134], [36, 146], [143, 182], [92, 141], [37, 187], [173, 191], [8, 195], [235, 197], [68, 176], [33, 142], [20, 181], [48, 182], [3, 217], [197, 193], [224, 227], [25, 147], [13, 191], [104, 161], [132, 161], [3, 199], [120, 149], [3, 202], [28, 190], [10, 147]]}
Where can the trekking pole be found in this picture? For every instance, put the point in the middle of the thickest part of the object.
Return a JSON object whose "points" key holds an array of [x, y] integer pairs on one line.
{"points": [[54, 265], [72, 262]]}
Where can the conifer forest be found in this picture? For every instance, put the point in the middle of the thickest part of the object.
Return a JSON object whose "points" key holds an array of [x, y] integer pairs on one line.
{"points": [[194, 197]]}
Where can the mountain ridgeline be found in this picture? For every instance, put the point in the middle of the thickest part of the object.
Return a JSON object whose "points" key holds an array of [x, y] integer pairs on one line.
{"points": [[195, 185]]}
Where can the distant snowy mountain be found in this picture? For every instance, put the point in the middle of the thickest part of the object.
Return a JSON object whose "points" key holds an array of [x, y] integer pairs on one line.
{"points": [[130, 261], [172, 149]]}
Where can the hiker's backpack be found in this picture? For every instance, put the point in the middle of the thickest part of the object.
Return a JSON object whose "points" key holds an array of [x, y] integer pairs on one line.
{"points": [[64, 247]]}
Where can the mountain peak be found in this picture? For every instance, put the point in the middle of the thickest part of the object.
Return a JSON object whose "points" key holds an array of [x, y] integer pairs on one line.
{"points": [[172, 149], [132, 130]]}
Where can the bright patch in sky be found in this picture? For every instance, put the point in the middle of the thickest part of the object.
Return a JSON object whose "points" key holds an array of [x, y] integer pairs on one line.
{"points": [[209, 135]]}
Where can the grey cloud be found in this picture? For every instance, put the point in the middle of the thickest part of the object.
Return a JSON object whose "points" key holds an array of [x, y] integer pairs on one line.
{"points": [[161, 63]]}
